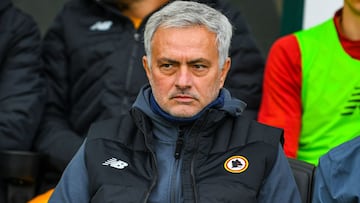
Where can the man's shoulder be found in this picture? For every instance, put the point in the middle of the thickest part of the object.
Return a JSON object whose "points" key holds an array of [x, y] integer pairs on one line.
{"points": [[317, 30], [110, 127], [285, 42], [74, 8], [259, 131], [16, 20], [258, 125]]}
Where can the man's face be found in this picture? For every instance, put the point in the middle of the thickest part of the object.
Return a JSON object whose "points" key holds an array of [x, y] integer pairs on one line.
{"points": [[184, 73]]}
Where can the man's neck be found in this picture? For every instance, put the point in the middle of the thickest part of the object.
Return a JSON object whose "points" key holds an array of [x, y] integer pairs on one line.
{"points": [[140, 9], [350, 23]]}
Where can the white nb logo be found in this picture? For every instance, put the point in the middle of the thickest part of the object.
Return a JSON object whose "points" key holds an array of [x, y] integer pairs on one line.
{"points": [[115, 163], [101, 26]]}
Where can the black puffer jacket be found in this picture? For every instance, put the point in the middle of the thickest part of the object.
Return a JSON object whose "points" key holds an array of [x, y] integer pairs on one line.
{"points": [[213, 139], [93, 63], [22, 88]]}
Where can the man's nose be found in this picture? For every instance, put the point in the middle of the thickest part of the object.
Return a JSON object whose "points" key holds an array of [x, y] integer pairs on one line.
{"points": [[184, 77]]}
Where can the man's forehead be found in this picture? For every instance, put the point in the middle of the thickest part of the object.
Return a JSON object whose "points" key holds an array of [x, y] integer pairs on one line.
{"points": [[188, 61]]}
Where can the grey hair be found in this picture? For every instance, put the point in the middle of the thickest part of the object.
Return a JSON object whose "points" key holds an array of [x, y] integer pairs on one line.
{"points": [[182, 14]]}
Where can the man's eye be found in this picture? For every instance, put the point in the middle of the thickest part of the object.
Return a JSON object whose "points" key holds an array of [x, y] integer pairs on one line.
{"points": [[198, 66], [166, 65], [200, 69], [167, 68]]}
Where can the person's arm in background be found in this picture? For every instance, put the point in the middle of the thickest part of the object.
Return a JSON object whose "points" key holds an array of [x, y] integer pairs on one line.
{"points": [[57, 139], [322, 192], [22, 87], [337, 175], [281, 99], [244, 80]]}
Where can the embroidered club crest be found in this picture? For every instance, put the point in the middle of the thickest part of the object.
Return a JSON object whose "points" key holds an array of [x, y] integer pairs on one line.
{"points": [[236, 164]]}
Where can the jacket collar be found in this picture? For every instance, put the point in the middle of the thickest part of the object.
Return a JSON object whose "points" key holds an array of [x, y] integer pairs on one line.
{"points": [[225, 104]]}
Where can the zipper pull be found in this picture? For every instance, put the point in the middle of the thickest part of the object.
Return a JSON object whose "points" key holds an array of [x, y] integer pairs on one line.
{"points": [[179, 144]]}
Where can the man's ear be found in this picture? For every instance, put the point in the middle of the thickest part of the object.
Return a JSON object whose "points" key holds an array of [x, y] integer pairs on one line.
{"points": [[224, 71], [146, 67]]}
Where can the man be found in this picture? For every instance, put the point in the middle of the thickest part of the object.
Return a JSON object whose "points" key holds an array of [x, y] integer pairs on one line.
{"points": [[310, 85], [93, 62], [184, 139], [22, 88], [337, 175]]}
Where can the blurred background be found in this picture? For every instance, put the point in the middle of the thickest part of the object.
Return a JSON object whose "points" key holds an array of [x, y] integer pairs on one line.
{"points": [[267, 19]]}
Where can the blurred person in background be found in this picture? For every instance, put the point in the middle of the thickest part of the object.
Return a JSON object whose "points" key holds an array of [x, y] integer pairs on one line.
{"points": [[337, 175], [22, 87], [311, 85]]}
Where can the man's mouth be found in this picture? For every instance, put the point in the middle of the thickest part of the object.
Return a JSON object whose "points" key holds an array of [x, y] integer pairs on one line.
{"points": [[183, 98]]}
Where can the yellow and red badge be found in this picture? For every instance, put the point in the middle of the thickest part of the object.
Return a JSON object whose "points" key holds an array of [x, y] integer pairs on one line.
{"points": [[236, 164]]}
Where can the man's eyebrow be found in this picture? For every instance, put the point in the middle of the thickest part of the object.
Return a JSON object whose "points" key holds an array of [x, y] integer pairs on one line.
{"points": [[193, 61], [199, 60], [167, 60]]}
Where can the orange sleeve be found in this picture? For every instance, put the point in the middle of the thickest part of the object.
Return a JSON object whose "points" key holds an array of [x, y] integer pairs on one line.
{"points": [[42, 198], [281, 97]]}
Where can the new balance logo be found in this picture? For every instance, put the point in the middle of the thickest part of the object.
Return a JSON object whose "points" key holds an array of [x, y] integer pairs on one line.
{"points": [[118, 164], [353, 104], [101, 25]]}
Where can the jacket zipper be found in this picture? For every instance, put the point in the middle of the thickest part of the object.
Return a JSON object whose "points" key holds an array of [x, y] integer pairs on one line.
{"points": [[177, 155], [179, 143], [131, 64], [130, 70]]}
